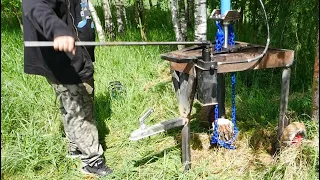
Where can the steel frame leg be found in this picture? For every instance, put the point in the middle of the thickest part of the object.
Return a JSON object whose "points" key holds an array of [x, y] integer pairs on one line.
{"points": [[283, 120], [184, 85], [221, 94]]}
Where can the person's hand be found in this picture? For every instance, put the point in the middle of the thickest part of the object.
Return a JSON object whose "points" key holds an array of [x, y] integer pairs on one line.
{"points": [[64, 43]]}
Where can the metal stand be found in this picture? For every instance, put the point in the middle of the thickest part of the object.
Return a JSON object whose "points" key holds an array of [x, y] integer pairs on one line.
{"points": [[185, 90], [283, 120]]}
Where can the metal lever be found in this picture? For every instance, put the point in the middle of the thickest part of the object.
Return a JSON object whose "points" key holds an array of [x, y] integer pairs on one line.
{"points": [[91, 43], [144, 117]]}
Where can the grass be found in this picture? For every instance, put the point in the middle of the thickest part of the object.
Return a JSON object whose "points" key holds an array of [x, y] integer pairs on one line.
{"points": [[33, 144]]}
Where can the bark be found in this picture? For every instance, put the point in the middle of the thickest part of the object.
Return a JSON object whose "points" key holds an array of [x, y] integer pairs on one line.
{"points": [[175, 21], [150, 3], [109, 26], [315, 89], [140, 18], [200, 32], [190, 12], [124, 14], [97, 22], [119, 16], [183, 22]]}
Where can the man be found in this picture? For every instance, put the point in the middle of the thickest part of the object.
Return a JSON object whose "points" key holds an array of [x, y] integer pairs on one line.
{"points": [[68, 69]]}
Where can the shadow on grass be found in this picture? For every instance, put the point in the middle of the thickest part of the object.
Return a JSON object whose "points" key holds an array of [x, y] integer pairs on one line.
{"points": [[102, 112], [154, 157]]}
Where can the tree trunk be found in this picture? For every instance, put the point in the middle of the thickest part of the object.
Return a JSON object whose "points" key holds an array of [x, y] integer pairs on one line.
{"points": [[109, 27], [140, 18], [97, 22], [124, 14], [150, 3], [175, 21], [183, 22], [315, 89], [200, 32], [119, 16], [190, 12]]}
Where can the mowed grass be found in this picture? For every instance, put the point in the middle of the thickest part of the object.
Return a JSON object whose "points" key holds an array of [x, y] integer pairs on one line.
{"points": [[33, 144]]}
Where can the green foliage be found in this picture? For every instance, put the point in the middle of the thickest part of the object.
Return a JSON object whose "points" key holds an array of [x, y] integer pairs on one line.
{"points": [[33, 144], [11, 12]]}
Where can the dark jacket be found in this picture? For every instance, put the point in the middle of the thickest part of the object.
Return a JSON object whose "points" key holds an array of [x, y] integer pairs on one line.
{"points": [[43, 20]]}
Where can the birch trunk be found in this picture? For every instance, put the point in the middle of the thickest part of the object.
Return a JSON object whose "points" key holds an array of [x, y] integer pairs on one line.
{"points": [[183, 22], [125, 14], [140, 18], [109, 27], [119, 16], [97, 22], [175, 21], [315, 89], [200, 20]]}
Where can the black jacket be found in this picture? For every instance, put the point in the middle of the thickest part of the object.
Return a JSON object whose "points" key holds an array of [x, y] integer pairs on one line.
{"points": [[43, 20]]}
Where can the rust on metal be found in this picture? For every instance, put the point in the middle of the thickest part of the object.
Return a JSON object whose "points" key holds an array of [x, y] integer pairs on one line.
{"points": [[182, 67], [272, 59]]}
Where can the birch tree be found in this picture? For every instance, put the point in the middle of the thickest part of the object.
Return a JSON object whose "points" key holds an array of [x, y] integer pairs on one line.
{"points": [[119, 7], [140, 18], [108, 24], [175, 21], [124, 14], [97, 22], [200, 20], [179, 20], [182, 17]]}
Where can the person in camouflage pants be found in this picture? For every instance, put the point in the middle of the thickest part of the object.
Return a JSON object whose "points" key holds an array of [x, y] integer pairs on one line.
{"points": [[69, 69], [76, 106]]}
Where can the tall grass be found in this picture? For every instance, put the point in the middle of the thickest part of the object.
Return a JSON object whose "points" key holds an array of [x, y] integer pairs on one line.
{"points": [[33, 144]]}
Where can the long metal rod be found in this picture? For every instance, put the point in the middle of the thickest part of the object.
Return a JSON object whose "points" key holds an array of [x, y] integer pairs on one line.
{"points": [[90, 43]]}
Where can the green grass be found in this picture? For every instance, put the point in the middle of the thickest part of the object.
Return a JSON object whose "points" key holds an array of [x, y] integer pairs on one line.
{"points": [[33, 144]]}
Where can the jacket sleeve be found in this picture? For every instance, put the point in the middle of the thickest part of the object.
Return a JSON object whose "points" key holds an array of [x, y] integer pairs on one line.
{"points": [[42, 16]]}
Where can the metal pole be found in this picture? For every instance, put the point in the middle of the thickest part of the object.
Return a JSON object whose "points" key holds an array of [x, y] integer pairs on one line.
{"points": [[186, 156], [225, 7], [221, 94], [90, 43], [283, 120], [226, 34]]}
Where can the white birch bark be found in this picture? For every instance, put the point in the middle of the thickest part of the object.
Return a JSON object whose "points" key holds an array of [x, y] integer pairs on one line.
{"points": [[119, 16], [200, 20], [124, 14], [140, 18], [97, 22], [109, 26], [182, 17], [175, 21]]}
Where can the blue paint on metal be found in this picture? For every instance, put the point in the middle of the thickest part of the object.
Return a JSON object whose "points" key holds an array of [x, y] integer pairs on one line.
{"points": [[231, 35], [225, 6], [215, 137], [219, 40]]}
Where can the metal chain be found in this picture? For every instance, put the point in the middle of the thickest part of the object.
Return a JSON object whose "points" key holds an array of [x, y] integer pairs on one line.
{"points": [[215, 137]]}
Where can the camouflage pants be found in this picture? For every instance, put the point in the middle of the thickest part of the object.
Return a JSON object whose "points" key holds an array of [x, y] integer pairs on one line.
{"points": [[76, 106]]}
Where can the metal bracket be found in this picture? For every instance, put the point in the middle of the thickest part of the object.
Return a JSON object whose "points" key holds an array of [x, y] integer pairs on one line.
{"points": [[231, 15], [205, 65]]}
